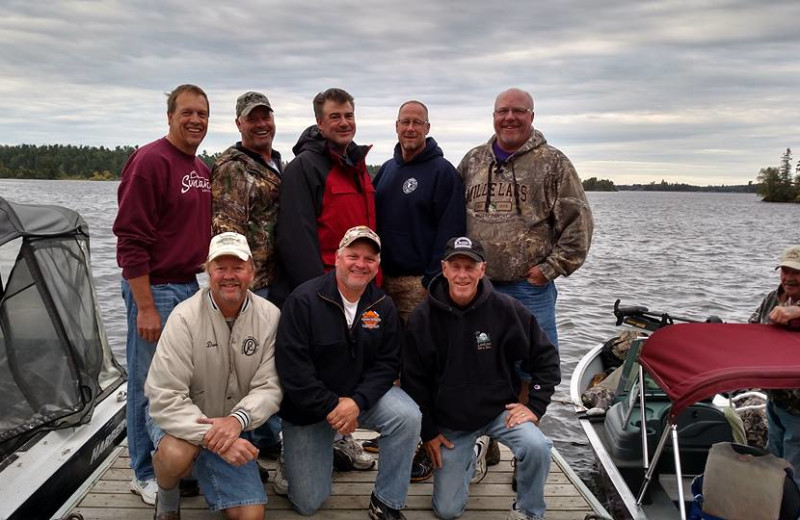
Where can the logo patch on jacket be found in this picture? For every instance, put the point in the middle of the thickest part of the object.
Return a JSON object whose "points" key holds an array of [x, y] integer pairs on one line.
{"points": [[482, 341], [371, 320], [410, 185], [249, 346]]}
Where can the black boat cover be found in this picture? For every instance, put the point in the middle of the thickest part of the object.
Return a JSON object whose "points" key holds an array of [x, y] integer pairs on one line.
{"points": [[55, 362]]}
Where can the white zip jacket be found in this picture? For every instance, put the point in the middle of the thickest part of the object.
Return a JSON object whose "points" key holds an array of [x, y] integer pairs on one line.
{"points": [[202, 368]]}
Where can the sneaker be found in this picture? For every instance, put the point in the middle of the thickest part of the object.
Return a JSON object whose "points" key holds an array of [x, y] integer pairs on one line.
{"points": [[421, 466], [280, 486], [147, 489], [480, 448], [514, 474], [516, 514], [493, 455], [380, 511], [371, 445], [349, 455]]}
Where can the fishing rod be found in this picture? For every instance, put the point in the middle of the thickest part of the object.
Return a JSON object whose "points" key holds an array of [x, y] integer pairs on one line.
{"points": [[641, 317]]}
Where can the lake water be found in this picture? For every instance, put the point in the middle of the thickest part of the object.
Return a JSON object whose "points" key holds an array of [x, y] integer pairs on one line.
{"points": [[692, 254]]}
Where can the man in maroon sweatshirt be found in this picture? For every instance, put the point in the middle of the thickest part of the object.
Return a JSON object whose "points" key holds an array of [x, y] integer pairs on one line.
{"points": [[163, 229]]}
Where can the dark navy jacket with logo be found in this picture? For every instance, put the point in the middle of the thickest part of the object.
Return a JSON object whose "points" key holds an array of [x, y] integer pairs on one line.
{"points": [[458, 364], [320, 359], [322, 196]]}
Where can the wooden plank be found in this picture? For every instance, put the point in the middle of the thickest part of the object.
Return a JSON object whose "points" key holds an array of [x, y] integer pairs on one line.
{"points": [[111, 499]]}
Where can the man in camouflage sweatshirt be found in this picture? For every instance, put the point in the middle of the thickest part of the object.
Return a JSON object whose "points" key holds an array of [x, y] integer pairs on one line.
{"points": [[526, 204], [245, 182], [782, 307]]}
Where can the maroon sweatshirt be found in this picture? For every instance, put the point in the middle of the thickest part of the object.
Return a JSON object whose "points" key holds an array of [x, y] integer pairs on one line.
{"points": [[163, 226]]}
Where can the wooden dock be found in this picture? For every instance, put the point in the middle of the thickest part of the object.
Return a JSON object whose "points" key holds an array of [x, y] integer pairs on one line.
{"points": [[109, 498]]}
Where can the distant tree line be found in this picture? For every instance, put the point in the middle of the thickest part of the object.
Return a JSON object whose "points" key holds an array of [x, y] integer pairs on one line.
{"points": [[778, 184], [679, 186], [595, 184], [57, 161]]}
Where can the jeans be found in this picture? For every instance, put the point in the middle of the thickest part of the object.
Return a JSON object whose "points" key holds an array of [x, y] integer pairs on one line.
{"points": [[530, 447], [224, 485], [268, 434], [308, 453], [540, 300], [140, 353], [783, 436]]}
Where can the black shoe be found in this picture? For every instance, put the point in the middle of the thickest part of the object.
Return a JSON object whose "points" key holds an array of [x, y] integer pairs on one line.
{"points": [[273, 451], [421, 466], [371, 445], [188, 488], [493, 455], [380, 511]]}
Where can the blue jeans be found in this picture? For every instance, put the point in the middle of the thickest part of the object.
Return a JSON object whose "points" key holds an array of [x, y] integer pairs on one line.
{"points": [[540, 300], [224, 485], [308, 453], [530, 447], [140, 353], [783, 436], [269, 433]]}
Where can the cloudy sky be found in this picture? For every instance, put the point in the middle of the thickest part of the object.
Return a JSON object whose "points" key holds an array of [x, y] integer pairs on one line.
{"points": [[697, 91]]}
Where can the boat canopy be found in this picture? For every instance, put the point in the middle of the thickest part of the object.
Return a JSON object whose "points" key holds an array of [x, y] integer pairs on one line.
{"points": [[694, 361], [55, 361]]}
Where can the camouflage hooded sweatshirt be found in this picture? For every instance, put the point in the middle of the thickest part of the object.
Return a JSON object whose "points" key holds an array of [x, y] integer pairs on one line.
{"points": [[244, 194], [529, 211]]}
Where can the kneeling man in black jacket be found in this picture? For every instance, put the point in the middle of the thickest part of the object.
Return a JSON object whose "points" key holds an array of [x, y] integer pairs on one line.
{"points": [[337, 354], [458, 365]]}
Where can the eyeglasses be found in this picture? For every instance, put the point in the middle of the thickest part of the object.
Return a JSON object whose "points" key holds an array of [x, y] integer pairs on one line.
{"points": [[411, 122], [518, 112]]}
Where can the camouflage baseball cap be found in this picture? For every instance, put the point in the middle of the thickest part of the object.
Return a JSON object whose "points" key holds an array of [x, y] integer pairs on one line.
{"points": [[464, 246], [250, 100], [791, 258], [358, 232]]}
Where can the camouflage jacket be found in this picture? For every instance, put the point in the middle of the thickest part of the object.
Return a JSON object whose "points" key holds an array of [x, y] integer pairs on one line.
{"points": [[530, 211], [789, 399], [244, 199]]}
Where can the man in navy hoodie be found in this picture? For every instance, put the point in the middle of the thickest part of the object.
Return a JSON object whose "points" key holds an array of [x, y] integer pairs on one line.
{"points": [[458, 364], [419, 204]]}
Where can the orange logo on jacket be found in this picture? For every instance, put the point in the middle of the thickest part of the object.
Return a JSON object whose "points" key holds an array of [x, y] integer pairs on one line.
{"points": [[371, 320]]}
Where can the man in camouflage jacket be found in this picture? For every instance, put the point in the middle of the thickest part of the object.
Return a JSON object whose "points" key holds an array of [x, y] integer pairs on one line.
{"points": [[782, 307], [526, 204], [245, 183]]}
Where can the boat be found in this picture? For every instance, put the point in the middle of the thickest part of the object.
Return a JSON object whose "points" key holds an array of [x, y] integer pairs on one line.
{"points": [[683, 375], [62, 392]]}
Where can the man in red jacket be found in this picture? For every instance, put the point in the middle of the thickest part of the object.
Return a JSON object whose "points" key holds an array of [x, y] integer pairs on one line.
{"points": [[163, 228]]}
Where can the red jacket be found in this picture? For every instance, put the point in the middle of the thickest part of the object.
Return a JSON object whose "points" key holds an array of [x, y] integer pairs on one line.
{"points": [[322, 196]]}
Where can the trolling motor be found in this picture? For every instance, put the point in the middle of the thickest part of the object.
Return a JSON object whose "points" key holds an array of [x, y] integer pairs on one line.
{"points": [[641, 317]]}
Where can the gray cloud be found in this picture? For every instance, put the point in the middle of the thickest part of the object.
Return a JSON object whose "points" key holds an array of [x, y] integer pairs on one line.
{"points": [[690, 91]]}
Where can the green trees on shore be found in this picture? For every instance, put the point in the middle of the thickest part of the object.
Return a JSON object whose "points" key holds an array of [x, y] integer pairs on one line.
{"points": [[776, 184], [595, 184]]}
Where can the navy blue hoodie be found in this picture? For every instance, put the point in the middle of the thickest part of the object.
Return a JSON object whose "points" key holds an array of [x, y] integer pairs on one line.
{"points": [[458, 364], [419, 206]]}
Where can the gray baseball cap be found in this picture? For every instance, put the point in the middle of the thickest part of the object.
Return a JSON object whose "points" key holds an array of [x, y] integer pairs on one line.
{"points": [[790, 258], [250, 100]]}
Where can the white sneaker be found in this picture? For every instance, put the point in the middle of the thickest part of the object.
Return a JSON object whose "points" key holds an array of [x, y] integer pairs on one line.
{"points": [[349, 455], [280, 486], [147, 489], [481, 448]]}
